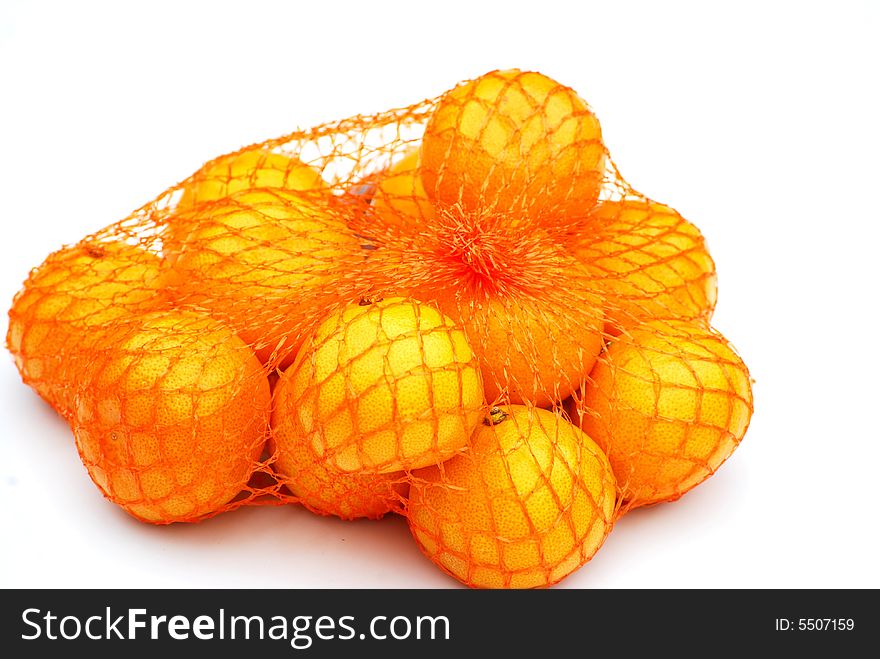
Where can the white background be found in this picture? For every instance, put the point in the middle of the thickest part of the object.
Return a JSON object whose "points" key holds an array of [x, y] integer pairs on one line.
{"points": [[759, 123]]}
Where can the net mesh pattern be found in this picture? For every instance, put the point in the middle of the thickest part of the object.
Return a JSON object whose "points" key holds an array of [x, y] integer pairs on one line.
{"points": [[458, 311]]}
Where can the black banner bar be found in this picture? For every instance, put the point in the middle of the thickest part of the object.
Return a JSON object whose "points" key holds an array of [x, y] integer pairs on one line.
{"points": [[426, 623]]}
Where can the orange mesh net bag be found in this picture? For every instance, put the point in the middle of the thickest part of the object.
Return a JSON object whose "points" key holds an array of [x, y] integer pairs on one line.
{"points": [[457, 311]]}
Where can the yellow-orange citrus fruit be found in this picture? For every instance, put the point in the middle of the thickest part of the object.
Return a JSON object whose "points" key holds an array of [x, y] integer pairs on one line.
{"points": [[262, 261], [385, 386], [668, 402], [530, 502], [513, 142], [530, 310], [246, 170], [174, 416], [400, 198], [531, 351], [320, 487], [76, 292], [650, 263]]}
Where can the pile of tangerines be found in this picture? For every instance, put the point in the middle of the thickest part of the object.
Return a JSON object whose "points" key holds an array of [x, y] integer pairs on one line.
{"points": [[481, 327]]}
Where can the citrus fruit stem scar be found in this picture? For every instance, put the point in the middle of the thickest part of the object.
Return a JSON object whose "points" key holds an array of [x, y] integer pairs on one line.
{"points": [[496, 416]]}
